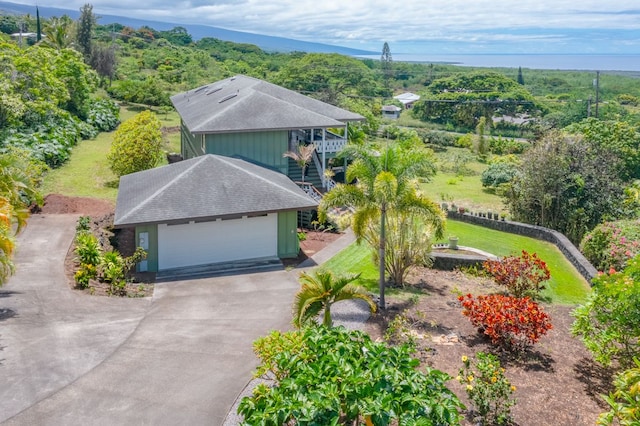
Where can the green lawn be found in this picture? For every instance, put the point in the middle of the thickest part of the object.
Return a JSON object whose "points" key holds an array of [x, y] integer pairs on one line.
{"points": [[565, 287], [87, 173], [464, 191]]}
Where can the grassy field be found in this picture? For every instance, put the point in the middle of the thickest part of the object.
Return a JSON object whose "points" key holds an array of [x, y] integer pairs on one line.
{"points": [[87, 173], [464, 191], [565, 287]]}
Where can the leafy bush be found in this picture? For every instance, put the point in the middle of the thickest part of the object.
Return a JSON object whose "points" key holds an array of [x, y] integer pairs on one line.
{"points": [[136, 145], [488, 388], [522, 275], [625, 400], [87, 249], [51, 140], [503, 146], [498, 173], [85, 274], [104, 115], [464, 141], [330, 376], [438, 138], [84, 224], [609, 322], [612, 244], [511, 322]]}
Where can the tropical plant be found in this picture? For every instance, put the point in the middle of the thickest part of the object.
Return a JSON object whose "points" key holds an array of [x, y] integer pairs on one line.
{"points": [[7, 242], [137, 144], [330, 376], [302, 156], [408, 244], [522, 275], [609, 322], [386, 181], [319, 291], [510, 322], [488, 388], [625, 400]]}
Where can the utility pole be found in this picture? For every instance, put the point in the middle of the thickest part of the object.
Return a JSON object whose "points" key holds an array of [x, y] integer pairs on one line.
{"points": [[597, 91]]}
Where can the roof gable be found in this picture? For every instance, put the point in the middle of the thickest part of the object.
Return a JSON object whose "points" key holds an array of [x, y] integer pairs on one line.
{"points": [[246, 104], [205, 188]]}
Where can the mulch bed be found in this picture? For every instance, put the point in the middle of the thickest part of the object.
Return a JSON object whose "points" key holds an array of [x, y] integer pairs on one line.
{"points": [[557, 382]]}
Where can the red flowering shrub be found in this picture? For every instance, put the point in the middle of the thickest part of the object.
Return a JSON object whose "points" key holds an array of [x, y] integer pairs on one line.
{"points": [[522, 275], [511, 322]]}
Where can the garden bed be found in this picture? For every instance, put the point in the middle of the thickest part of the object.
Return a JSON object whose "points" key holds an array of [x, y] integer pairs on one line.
{"points": [[557, 383]]}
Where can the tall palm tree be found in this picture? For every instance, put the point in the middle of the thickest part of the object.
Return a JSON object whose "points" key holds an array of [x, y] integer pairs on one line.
{"points": [[321, 290], [302, 156], [59, 32], [386, 180]]}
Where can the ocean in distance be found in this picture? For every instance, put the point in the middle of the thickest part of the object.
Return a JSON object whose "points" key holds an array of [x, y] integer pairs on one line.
{"points": [[627, 63]]}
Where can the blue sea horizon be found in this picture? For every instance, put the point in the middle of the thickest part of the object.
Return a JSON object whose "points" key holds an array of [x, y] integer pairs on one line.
{"points": [[566, 62]]}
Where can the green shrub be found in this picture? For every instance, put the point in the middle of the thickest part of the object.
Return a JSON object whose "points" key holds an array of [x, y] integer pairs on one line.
{"points": [[464, 141], [612, 244], [498, 174], [87, 249], [488, 388], [625, 400], [330, 376], [503, 146], [84, 224], [104, 115], [137, 144], [609, 322], [84, 275]]}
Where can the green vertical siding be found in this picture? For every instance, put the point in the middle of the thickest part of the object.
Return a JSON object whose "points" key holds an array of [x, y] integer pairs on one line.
{"points": [[262, 147], [190, 145], [288, 244], [152, 253]]}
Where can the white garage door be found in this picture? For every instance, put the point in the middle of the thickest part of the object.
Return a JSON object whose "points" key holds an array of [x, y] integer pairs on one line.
{"points": [[219, 241]]}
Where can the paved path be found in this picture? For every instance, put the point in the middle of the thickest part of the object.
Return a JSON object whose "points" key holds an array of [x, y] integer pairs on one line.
{"points": [[179, 358]]}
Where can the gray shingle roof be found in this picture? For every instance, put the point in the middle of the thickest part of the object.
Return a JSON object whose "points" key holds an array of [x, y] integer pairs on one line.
{"points": [[247, 104], [204, 188]]}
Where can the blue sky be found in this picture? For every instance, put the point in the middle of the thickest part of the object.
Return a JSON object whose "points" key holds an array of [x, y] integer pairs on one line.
{"points": [[409, 26]]}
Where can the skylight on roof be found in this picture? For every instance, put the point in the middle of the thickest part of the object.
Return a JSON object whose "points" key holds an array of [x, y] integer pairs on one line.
{"points": [[200, 89], [226, 98], [214, 90]]}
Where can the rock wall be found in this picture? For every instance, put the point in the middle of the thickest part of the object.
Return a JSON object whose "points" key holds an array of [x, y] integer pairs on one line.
{"points": [[571, 252]]}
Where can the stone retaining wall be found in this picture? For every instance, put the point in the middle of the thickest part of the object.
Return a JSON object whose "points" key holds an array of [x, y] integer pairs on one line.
{"points": [[451, 261], [571, 252]]}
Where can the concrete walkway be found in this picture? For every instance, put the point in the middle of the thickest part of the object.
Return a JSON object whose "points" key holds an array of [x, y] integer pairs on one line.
{"points": [[181, 357]]}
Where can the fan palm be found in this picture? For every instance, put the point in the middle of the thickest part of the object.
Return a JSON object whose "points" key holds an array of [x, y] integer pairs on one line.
{"points": [[386, 181], [321, 290], [302, 156]]}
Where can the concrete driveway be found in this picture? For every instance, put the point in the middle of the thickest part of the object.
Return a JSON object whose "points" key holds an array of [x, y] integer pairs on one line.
{"points": [[181, 357]]}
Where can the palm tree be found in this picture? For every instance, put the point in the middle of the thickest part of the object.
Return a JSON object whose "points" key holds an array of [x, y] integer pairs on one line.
{"points": [[386, 181], [302, 156], [321, 290], [59, 32]]}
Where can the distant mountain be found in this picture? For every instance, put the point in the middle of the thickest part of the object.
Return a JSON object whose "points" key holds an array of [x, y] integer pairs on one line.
{"points": [[267, 43]]}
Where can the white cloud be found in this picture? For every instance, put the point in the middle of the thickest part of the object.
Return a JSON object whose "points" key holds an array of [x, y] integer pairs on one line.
{"points": [[372, 21]]}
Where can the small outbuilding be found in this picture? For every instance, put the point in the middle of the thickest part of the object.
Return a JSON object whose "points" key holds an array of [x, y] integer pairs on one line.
{"points": [[407, 99], [391, 111], [208, 210]]}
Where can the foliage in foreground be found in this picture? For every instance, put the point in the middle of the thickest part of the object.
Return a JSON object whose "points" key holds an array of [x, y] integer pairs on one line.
{"points": [[522, 275], [330, 376], [513, 323], [488, 388], [625, 400], [609, 322], [322, 289], [137, 145]]}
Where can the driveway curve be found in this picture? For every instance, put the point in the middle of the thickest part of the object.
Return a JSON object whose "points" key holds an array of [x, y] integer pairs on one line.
{"points": [[181, 357]]}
